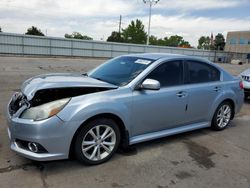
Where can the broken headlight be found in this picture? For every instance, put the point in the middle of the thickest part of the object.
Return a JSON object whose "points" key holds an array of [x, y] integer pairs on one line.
{"points": [[45, 111]]}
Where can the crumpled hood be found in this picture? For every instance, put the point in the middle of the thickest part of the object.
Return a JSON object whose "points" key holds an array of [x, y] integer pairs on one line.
{"points": [[246, 72], [60, 80]]}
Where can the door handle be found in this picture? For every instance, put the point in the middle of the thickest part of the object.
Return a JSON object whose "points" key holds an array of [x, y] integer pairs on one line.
{"points": [[181, 94], [217, 88]]}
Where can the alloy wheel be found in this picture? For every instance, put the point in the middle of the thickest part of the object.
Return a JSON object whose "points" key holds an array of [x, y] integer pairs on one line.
{"points": [[223, 115], [99, 142]]}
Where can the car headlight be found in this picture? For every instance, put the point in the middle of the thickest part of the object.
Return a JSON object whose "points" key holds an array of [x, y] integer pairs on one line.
{"points": [[45, 111]]}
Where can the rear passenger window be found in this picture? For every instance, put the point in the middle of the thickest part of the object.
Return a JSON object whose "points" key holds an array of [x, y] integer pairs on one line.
{"points": [[168, 74], [199, 72]]}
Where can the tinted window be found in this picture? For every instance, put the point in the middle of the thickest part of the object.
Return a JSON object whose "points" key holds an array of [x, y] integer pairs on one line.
{"points": [[120, 71], [200, 72], [168, 74]]}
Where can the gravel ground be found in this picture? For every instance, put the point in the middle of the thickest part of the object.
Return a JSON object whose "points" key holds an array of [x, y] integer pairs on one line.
{"points": [[202, 158]]}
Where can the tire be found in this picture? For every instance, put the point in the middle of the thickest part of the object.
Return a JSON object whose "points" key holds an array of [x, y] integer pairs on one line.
{"points": [[222, 116], [94, 148]]}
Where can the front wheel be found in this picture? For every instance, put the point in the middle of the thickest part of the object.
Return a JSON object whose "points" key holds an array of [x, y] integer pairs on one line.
{"points": [[222, 116], [97, 141]]}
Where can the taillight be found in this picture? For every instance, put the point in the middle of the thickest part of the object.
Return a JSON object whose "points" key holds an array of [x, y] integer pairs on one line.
{"points": [[241, 85]]}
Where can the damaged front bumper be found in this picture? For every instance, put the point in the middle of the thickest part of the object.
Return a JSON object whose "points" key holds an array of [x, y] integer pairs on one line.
{"points": [[52, 135]]}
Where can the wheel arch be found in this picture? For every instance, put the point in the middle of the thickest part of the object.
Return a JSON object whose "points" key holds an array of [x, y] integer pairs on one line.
{"points": [[231, 101], [124, 132], [232, 104]]}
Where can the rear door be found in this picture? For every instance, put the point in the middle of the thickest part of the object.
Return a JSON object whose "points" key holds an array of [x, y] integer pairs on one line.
{"points": [[203, 86]]}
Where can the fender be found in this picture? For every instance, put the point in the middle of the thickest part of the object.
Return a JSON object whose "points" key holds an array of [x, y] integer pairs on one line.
{"points": [[80, 109], [225, 95]]}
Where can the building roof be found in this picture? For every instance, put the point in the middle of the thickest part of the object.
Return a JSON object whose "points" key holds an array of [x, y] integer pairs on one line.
{"points": [[239, 31]]}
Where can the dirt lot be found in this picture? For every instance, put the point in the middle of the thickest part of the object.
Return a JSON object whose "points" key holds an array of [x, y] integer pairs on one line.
{"points": [[202, 158]]}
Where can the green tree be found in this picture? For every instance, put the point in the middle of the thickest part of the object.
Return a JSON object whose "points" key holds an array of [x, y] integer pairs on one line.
{"points": [[153, 40], [77, 35], [204, 43], [185, 44], [34, 31], [162, 42], [135, 33], [115, 37], [176, 41], [219, 42]]}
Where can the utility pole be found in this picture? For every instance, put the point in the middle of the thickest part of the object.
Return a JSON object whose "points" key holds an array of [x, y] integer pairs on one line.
{"points": [[120, 24], [151, 3]]}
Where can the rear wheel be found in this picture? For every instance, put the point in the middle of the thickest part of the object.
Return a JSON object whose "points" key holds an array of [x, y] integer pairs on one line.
{"points": [[222, 116], [97, 141]]}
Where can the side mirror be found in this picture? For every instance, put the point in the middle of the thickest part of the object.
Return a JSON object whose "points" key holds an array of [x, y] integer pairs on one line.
{"points": [[150, 84]]}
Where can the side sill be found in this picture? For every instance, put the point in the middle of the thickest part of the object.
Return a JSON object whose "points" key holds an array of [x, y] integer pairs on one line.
{"points": [[168, 132]]}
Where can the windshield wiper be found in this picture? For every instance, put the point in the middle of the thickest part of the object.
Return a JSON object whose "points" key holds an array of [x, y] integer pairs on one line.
{"points": [[85, 74], [100, 79]]}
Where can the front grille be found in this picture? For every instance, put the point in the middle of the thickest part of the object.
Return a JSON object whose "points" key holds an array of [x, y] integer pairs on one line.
{"points": [[17, 101], [246, 78], [247, 90]]}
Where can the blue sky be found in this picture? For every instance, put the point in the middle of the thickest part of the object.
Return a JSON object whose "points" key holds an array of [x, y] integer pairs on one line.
{"points": [[98, 18], [239, 12]]}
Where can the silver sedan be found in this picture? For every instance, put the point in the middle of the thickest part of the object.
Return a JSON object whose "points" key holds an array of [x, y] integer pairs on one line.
{"points": [[127, 100], [245, 76]]}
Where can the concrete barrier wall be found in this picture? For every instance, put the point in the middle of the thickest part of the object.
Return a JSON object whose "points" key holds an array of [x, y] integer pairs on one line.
{"points": [[18, 44]]}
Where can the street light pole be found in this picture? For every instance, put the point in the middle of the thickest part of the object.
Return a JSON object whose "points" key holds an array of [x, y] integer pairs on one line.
{"points": [[149, 22], [151, 3]]}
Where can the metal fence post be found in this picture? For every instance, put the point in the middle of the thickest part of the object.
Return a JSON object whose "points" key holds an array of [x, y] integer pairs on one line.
{"points": [[22, 45], [112, 48], [71, 44], [92, 49], [215, 56], [50, 47]]}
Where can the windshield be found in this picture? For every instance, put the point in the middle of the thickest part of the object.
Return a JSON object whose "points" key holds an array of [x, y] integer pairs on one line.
{"points": [[120, 71]]}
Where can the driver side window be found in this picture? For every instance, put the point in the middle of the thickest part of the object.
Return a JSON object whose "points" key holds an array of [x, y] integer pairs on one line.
{"points": [[168, 74]]}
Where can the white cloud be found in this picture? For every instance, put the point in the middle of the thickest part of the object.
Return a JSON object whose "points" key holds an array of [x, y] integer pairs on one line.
{"points": [[98, 18], [191, 28], [65, 8], [199, 4]]}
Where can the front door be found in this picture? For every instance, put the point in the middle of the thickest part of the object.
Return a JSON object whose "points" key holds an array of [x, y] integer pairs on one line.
{"points": [[156, 110]]}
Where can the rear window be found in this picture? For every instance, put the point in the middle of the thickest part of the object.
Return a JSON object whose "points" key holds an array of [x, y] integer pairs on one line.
{"points": [[199, 72]]}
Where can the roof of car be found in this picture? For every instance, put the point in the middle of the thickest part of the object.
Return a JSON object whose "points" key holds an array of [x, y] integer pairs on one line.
{"points": [[156, 56]]}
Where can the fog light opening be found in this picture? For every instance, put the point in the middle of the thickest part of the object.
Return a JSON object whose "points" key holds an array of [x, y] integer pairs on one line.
{"points": [[33, 147]]}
